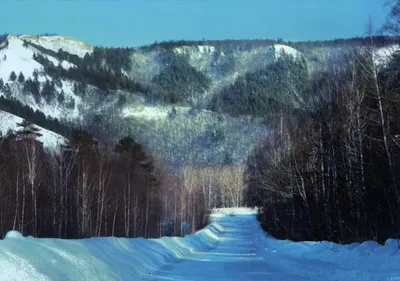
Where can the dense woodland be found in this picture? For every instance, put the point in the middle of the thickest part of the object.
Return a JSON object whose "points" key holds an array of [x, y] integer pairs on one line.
{"points": [[380, 40], [263, 93], [88, 188], [332, 173]]}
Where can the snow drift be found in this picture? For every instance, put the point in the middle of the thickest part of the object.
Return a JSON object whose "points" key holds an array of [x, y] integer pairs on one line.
{"points": [[28, 258]]}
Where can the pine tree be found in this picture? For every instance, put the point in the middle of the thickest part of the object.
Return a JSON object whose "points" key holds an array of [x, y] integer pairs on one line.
{"points": [[81, 138], [7, 91], [28, 130], [1, 84], [48, 91], [21, 77], [35, 74], [13, 76]]}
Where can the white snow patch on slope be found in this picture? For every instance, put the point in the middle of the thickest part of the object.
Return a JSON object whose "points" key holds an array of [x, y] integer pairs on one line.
{"points": [[145, 112], [49, 139], [18, 59], [67, 64], [206, 49], [383, 55], [57, 42], [287, 49]]}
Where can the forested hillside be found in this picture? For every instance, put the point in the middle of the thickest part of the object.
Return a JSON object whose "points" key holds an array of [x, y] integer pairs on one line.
{"points": [[330, 171]]}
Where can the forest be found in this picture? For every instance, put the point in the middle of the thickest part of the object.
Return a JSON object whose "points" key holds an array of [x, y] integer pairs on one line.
{"points": [[331, 171], [89, 188]]}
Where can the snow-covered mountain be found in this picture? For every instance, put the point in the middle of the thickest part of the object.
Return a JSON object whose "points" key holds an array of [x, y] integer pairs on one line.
{"points": [[14, 56], [188, 133]]}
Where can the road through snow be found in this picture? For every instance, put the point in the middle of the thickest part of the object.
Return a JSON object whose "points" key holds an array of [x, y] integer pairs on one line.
{"points": [[245, 253], [232, 247]]}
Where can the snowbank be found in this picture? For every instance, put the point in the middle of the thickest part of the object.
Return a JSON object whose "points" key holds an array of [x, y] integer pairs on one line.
{"points": [[331, 261], [28, 258]]}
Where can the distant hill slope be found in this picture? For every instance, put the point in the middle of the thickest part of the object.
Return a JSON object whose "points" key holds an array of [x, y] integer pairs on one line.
{"points": [[196, 102], [49, 139]]}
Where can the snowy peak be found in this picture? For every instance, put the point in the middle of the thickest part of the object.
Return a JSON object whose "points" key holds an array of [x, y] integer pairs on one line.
{"points": [[15, 57], [56, 42]]}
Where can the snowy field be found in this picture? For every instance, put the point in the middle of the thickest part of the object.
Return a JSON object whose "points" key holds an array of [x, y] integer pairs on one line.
{"points": [[232, 247]]}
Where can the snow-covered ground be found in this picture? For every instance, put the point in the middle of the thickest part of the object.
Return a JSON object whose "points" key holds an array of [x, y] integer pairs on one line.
{"points": [[56, 42], [49, 139], [17, 58], [232, 247]]}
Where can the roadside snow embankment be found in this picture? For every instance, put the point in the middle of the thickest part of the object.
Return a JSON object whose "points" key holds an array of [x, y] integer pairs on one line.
{"points": [[28, 258]]}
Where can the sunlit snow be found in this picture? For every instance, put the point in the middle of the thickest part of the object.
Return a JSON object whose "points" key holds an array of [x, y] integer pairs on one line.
{"points": [[17, 58], [57, 42], [279, 48], [9, 122], [232, 247]]}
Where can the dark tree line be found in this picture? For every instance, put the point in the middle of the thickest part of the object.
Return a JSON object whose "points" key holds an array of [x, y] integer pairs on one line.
{"points": [[88, 73], [90, 189], [332, 173], [37, 117], [380, 40], [263, 93], [178, 81]]}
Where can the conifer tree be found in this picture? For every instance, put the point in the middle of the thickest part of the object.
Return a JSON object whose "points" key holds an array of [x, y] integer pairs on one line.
{"points": [[28, 130], [21, 77], [13, 76]]}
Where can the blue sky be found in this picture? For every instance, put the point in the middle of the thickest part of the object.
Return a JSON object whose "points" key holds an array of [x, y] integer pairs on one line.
{"points": [[138, 22]]}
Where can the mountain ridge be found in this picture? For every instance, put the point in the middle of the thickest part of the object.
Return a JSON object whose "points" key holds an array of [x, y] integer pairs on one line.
{"points": [[166, 90]]}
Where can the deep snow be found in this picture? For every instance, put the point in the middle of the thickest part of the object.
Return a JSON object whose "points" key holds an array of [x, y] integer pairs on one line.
{"points": [[232, 247]]}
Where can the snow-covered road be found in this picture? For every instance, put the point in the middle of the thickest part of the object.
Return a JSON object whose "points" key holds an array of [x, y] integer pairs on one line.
{"points": [[245, 253], [234, 258], [232, 247]]}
